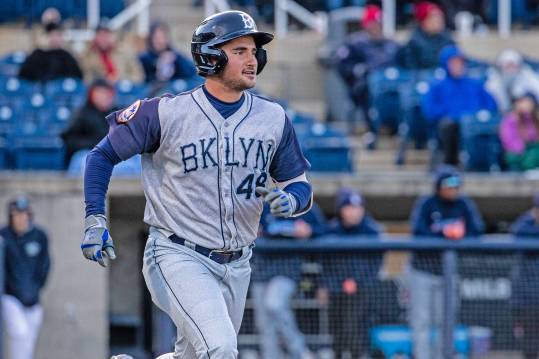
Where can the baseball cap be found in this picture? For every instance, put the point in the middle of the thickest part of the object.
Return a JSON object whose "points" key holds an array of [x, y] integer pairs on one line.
{"points": [[447, 176], [371, 13], [20, 204], [423, 9], [347, 196]]}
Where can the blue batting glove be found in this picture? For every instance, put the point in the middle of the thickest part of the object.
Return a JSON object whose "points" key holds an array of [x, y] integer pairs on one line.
{"points": [[282, 204], [97, 242]]}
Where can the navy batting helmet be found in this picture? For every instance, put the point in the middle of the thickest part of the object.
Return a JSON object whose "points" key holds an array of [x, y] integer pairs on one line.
{"points": [[220, 28]]}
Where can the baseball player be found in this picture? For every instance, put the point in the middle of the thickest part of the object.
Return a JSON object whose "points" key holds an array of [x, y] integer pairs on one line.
{"points": [[210, 158]]}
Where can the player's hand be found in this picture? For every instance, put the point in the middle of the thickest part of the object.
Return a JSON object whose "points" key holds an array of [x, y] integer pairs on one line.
{"points": [[282, 204], [97, 243]]}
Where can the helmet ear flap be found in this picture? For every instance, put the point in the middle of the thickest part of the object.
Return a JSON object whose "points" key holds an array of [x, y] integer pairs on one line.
{"points": [[262, 58], [209, 60]]}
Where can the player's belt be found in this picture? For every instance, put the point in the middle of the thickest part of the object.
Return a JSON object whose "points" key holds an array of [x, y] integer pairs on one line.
{"points": [[217, 255]]}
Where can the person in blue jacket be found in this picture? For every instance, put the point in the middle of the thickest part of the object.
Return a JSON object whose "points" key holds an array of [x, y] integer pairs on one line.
{"points": [[451, 98], [525, 298], [26, 267], [449, 215], [161, 62], [349, 278]]}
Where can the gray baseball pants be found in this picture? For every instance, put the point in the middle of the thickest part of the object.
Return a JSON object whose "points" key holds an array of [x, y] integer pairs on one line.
{"points": [[204, 299]]}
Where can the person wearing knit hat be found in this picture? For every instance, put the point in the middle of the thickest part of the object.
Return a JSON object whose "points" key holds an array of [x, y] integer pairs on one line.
{"points": [[26, 268], [363, 52], [428, 39], [524, 298], [349, 278], [447, 214]]}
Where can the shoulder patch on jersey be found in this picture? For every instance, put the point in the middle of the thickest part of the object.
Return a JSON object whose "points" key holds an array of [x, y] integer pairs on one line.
{"points": [[130, 112]]}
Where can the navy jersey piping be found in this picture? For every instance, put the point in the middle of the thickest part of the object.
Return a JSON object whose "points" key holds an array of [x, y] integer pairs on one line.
{"points": [[218, 171], [232, 170]]}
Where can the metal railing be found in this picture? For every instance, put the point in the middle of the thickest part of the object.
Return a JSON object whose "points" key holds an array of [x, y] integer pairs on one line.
{"points": [[283, 8]]}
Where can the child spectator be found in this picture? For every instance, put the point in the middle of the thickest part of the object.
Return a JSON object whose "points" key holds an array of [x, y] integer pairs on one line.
{"points": [[430, 37], [511, 76], [451, 98]]}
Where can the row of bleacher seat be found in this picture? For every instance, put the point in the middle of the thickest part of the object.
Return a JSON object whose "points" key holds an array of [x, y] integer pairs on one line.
{"points": [[33, 115]]}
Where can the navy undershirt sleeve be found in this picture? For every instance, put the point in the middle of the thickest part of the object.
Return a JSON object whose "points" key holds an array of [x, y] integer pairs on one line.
{"points": [[288, 161], [99, 165], [302, 192]]}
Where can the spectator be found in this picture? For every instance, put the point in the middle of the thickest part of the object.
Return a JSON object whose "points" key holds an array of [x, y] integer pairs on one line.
{"points": [[524, 298], [527, 225], [103, 60], [52, 62], [446, 214], [362, 53], [161, 62], [26, 268], [431, 36], [450, 99], [519, 134], [511, 77], [88, 125], [273, 293], [350, 278]]}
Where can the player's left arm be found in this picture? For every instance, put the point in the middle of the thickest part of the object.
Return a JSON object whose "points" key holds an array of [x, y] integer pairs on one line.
{"points": [[293, 195]]}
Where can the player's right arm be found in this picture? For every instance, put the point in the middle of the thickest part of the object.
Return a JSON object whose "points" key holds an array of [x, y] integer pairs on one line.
{"points": [[134, 130]]}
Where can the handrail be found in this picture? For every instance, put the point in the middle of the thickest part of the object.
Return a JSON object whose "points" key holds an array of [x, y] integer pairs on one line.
{"points": [[213, 6], [137, 8], [317, 21], [494, 242]]}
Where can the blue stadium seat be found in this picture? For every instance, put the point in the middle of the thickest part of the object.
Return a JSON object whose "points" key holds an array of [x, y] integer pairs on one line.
{"points": [[327, 150], [413, 125], [128, 168], [68, 92], [481, 149], [11, 63], [394, 340], [7, 118], [57, 121], [37, 153], [384, 88], [128, 92], [3, 154], [17, 91]]}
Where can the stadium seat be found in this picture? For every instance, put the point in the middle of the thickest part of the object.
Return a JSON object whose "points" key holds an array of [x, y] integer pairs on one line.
{"points": [[327, 150], [17, 91], [395, 340], [3, 154], [57, 121], [384, 88], [128, 92], [68, 92], [481, 149], [413, 125], [7, 119], [37, 153], [11, 63]]}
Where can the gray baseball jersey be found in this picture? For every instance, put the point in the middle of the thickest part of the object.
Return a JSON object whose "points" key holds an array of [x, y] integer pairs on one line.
{"points": [[200, 170]]}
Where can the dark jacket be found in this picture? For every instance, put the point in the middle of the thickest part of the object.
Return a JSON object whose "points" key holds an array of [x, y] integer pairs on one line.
{"points": [[422, 50], [360, 55], [454, 97], [525, 226], [27, 264], [86, 128], [45, 65], [183, 68], [428, 218], [368, 226]]}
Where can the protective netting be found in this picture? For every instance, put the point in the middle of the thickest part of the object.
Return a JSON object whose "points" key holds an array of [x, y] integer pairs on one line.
{"points": [[375, 304]]}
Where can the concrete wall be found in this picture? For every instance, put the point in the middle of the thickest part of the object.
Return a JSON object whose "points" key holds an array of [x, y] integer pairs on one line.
{"points": [[75, 298]]}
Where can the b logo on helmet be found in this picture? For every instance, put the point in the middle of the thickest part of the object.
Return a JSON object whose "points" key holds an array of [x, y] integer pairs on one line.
{"points": [[248, 21]]}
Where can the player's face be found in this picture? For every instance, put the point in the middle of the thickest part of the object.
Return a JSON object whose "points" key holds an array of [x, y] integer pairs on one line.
{"points": [[240, 71]]}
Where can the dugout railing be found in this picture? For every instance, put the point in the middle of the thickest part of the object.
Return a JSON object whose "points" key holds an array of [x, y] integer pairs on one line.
{"points": [[484, 281]]}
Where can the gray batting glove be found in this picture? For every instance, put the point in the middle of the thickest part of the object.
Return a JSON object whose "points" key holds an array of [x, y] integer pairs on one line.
{"points": [[97, 242], [282, 204]]}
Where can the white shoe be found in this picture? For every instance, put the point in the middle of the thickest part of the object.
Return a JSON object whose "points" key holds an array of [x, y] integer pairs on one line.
{"points": [[121, 356]]}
